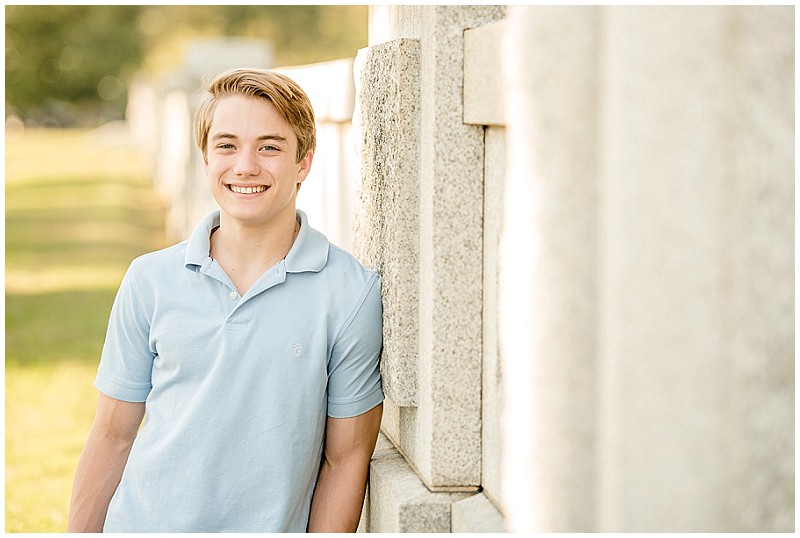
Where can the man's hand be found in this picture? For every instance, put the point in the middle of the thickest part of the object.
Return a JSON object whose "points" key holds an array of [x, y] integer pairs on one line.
{"points": [[339, 495]]}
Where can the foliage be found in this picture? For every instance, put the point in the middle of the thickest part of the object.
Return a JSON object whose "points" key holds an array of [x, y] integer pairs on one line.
{"points": [[59, 54], [66, 61]]}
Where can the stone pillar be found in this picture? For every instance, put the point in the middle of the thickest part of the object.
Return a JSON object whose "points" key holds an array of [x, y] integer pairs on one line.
{"points": [[451, 218], [646, 269], [434, 364], [697, 217], [548, 269], [387, 221], [421, 221], [484, 106], [759, 276]]}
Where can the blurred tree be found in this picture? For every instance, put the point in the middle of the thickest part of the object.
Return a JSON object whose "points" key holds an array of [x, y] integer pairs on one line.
{"points": [[299, 34], [66, 62]]}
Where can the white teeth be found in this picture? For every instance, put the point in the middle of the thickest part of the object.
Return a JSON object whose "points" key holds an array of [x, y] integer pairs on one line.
{"points": [[248, 190]]}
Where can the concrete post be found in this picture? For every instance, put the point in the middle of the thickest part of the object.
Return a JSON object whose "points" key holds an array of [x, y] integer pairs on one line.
{"points": [[646, 326], [433, 379], [548, 269]]}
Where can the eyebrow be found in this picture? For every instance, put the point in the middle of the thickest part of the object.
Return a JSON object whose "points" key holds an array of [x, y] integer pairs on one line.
{"points": [[274, 136]]}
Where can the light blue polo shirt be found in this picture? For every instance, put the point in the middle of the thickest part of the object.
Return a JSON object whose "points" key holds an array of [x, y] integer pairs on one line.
{"points": [[237, 388]]}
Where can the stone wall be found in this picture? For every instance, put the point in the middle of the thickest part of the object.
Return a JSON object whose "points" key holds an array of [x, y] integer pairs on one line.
{"points": [[584, 219], [420, 221]]}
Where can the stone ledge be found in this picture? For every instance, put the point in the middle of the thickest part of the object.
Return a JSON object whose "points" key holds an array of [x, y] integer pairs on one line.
{"points": [[398, 499], [476, 514]]}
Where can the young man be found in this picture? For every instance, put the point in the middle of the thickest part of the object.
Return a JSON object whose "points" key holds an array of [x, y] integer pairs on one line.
{"points": [[251, 350]]}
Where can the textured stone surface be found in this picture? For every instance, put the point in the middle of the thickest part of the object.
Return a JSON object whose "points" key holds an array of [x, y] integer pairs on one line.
{"points": [[476, 514], [387, 222], [436, 422], [451, 216], [399, 501], [646, 274], [400, 425]]}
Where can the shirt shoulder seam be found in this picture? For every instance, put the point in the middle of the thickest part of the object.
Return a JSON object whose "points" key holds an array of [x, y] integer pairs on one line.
{"points": [[370, 284]]}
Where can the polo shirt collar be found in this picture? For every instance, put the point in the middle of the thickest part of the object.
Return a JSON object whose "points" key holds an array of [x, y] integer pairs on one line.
{"points": [[199, 244], [308, 253]]}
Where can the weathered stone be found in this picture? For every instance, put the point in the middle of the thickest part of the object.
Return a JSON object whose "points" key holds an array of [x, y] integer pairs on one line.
{"points": [[400, 502], [387, 225], [451, 256], [432, 266], [476, 514]]}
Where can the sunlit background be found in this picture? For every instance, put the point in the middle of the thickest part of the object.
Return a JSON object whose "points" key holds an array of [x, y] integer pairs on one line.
{"points": [[88, 189]]}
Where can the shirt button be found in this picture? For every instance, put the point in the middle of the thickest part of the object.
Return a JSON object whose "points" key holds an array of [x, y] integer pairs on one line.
{"points": [[233, 296]]}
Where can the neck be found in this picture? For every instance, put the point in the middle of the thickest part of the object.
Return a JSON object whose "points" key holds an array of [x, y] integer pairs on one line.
{"points": [[245, 252]]}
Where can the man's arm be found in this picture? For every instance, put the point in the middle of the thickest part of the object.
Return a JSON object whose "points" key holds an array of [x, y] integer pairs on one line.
{"points": [[102, 462], [339, 495]]}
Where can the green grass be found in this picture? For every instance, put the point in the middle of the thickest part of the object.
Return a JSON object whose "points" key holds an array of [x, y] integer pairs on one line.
{"points": [[79, 208]]}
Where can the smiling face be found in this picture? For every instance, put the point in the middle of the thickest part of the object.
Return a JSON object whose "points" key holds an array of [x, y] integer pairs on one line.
{"points": [[251, 162]]}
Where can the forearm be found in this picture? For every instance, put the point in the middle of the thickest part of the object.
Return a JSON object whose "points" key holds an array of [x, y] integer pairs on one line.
{"points": [[339, 496], [99, 471]]}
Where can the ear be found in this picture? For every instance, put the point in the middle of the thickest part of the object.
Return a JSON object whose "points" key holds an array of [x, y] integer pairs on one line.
{"points": [[304, 167]]}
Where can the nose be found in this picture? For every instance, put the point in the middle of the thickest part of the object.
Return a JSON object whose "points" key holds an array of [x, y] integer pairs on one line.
{"points": [[246, 164]]}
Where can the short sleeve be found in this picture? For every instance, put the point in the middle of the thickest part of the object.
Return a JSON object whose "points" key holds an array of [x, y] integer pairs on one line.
{"points": [[127, 361], [354, 378]]}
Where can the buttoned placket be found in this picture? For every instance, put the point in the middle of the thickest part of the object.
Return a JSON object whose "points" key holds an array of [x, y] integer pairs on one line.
{"points": [[272, 277]]}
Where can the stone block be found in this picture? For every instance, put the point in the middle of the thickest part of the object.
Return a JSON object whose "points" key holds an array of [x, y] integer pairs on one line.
{"points": [[424, 184], [476, 514], [451, 256], [399, 501], [492, 395], [387, 223], [483, 82]]}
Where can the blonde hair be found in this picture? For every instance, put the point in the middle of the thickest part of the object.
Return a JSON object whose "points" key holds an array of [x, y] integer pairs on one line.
{"points": [[286, 96]]}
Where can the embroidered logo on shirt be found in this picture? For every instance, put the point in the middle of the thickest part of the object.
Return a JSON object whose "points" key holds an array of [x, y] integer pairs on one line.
{"points": [[297, 350]]}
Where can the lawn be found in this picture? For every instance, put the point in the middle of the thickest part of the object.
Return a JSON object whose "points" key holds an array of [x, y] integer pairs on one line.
{"points": [[79, 208]]}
